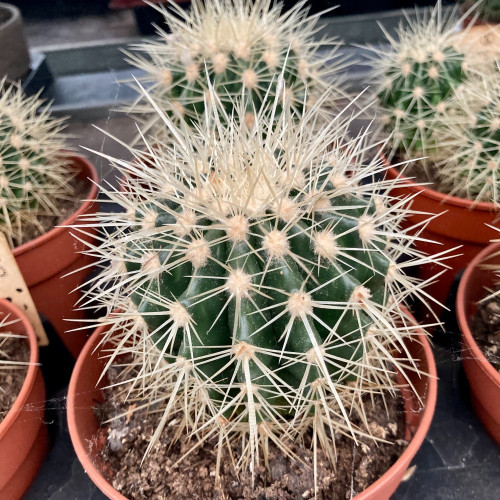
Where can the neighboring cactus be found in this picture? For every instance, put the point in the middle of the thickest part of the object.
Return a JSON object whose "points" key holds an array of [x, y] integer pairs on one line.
{"points": [[470, 141], [255, 280], [248, 50], [488, 10], [33, 171], [414, 78]]}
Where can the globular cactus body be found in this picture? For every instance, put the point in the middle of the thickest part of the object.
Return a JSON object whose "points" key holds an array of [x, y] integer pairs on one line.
{"points": [[470, 138], [32, 172], [254, 279], [416, 90], [247, 51], [415, 77], [267, 265]]}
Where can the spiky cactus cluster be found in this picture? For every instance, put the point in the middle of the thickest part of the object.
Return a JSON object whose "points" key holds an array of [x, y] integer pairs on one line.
{"points": [[469, 136], [414, 77], [254, 280], [248, 50], [33, 171]]}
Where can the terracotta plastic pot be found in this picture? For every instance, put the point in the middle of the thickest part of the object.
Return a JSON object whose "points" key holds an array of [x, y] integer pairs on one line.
{"points": [[23, 434], [46, 262], [84, 392], [461, 222], [484, 379]]}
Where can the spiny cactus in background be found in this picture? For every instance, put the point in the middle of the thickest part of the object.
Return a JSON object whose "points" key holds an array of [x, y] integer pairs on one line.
{"points": [[488, 10], [414, 77], [469, 136], [248, 49], [254, 280], [33, 171]]}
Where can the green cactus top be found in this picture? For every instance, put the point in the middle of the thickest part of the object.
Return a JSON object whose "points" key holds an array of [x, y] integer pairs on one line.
{"points": [[248, 51], [33, 175], [415, 77]]}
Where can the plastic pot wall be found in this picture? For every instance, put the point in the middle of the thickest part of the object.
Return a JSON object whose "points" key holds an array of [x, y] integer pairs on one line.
{"points": [[483, 378], [47, 261], [23, 433], [14, 59]]}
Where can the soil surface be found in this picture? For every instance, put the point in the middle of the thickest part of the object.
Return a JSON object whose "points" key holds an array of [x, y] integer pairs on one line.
{"points": [[81, 189], [485, 328], [160, 478], [11, 378]]}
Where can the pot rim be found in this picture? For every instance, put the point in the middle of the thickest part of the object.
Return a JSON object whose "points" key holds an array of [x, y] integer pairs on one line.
{"points": [[33, 367], [90, 171], [443, 198], [92, 471], [15, 14], [413, 446], [463, 323]]}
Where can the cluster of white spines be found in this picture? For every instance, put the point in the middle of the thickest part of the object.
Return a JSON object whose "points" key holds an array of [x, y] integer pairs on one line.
{"points": [[245, 47], [33, 174], [469, 136]]}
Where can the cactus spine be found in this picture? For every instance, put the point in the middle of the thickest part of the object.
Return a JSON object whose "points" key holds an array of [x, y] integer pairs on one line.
{"points": [[488, 10], [255, 280], [248, 50], [33, 171], [415, 77]]}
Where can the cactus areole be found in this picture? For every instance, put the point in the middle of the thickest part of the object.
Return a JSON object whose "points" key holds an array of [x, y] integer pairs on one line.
{"points": [[256, 278]]}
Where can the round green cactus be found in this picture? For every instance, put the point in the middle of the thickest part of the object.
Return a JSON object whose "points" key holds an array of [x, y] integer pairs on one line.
{"points": [[248, 50], [255, 279], [33, 175], [470, 138], [415, 77]]}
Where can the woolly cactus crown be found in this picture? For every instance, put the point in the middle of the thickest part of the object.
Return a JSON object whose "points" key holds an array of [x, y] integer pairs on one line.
{"points": [[248, 49], [254, 279], [415, 76], [469, 134], [33, 171]]}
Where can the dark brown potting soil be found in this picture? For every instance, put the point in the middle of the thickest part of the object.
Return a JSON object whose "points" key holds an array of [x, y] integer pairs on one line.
{"points": [[11, 378], [65, 207], [485, 327], [160, 478]]}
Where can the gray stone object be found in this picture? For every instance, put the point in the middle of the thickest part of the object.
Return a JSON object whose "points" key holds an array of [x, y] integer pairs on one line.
{"points": [[14, 56]]}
